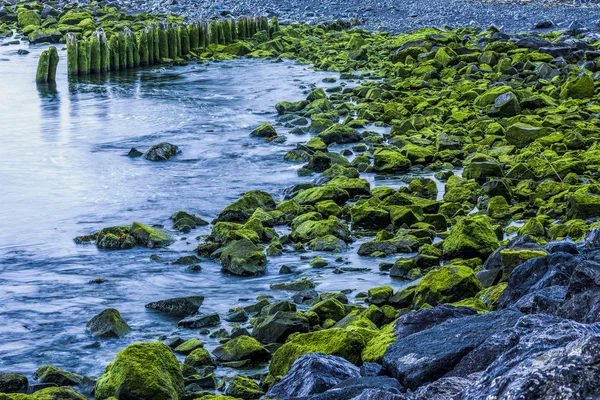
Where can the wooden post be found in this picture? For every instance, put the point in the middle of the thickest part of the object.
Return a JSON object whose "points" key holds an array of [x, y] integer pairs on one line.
{"points": [[185, 40], [72, 57], [83, 60], [232, 28], [115, 58], [53, 63], [193, 35], [104, 50], [163, 41], [95, 54], [142, 39], [41, 74]]}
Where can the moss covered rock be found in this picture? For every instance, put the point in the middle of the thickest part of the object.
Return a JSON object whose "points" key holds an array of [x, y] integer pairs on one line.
{"points": [[316, 195], [142, 371], [244, 258], [149, 237], [446, 285], [242, 348], [390, 160], [310, 230], [338, 342], [108, 324], [339, 134], [244, 388], [265, 130], [472, 236]]}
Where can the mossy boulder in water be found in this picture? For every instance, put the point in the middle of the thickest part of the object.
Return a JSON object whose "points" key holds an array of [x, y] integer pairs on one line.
{"points": [[199, 358], [339, 134], [265, 130], [338, 342], [446, 285], [498, 208], [242, 348], [108, 324], [330, 308], [142, 371], [472, 236], [161, 152], [316, 195], [238, 49], [512, 258], [354, 186], [310, 230], [390, 160], [241, 210], [56, 376], [178, 307], [149, 237], [244, 258]]}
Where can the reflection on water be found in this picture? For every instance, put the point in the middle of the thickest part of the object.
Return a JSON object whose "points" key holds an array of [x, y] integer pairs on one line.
{"points": [[65, 172]]}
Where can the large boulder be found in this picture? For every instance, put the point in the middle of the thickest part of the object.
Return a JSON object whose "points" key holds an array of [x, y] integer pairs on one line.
{"points": [[313, 373], [142, 371], [243, 258], [178, 307], [471, 236], [581, 87], [420, 320], [108, 324], [432, 353], [338, 342], [570, 354]]}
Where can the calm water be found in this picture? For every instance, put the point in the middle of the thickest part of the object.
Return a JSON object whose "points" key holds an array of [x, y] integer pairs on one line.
{"points": [[64, 172]]}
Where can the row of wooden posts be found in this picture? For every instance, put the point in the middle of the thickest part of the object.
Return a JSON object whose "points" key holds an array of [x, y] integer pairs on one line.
{"points": [[157, 42]]}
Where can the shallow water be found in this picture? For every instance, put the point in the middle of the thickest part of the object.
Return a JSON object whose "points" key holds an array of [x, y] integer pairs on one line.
{"points": [[64, 173]]}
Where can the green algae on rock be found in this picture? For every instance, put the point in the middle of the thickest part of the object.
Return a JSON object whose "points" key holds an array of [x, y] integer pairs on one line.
{"points": [[108, 324], [142, 370], [472, 236], [446, 285]]}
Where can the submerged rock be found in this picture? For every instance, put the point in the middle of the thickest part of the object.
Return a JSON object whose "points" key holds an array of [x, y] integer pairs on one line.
{"points": [[127, 237], [200, 321], [161, 152], [108, 324], [142, 371]]}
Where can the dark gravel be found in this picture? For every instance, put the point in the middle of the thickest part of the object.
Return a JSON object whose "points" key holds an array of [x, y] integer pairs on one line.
{"points": [[393, 15]]}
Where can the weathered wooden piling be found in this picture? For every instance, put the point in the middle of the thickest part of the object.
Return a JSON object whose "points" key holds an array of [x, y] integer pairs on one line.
{"points": [[142, 39], [41, 74], [151, 44], [115, 59], [185, 40], [72, 57], [193, 35], [104, 50], [83, 60], [163, 41], [233, 30], [53, 63], [95, 54]]}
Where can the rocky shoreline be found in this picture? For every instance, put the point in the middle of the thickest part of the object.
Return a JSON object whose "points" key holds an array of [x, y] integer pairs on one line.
{"points": [[504, 262]]}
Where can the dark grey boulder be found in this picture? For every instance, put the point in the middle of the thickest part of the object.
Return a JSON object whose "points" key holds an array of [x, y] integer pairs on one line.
{"points": [[430, 354], [56, 376], [562, 246], [312, 374], [553, 362], [108, 324], [178, 307]]}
